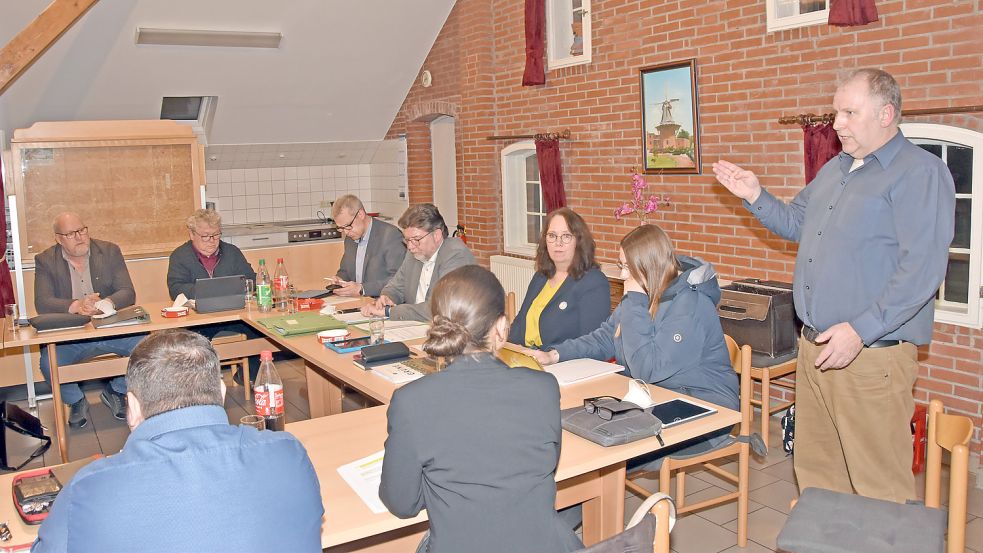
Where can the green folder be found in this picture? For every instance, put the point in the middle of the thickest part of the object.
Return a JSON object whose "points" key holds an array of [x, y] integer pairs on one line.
{"points": [[296, 324]]}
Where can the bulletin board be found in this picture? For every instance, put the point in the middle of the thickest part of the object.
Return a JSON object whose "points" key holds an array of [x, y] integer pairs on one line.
{"points": [[133, 183]]}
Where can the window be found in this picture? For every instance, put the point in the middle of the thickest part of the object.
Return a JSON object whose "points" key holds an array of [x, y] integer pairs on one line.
{"points": [[567, 33], [522, 198], [958, 299], [789, 14]]}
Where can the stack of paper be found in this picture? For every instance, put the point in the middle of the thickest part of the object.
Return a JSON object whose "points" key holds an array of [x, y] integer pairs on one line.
{"points": [[364, 476], [576, 370]]}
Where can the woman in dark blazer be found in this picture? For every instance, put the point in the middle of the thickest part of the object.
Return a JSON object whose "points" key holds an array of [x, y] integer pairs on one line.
{"points": [[576, 294], [477, 443]]}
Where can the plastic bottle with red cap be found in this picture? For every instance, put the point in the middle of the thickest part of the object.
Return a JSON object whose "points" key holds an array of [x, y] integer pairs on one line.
{"points": [[268, 393]]}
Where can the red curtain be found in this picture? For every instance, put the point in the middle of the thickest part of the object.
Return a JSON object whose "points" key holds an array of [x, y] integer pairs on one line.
{"points": [[821, 145], [551, 174], [847, 13], [535, 43], [6, 287]]}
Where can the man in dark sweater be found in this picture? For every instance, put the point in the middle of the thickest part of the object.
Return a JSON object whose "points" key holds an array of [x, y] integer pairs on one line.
{"points": [[205, 255]]}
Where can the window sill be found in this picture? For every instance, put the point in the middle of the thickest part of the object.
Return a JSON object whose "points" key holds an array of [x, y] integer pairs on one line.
{"points": [[524, 251]]}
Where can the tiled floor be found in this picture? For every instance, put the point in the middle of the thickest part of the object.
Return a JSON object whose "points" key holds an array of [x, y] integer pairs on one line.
{"points": [[708, 531]]}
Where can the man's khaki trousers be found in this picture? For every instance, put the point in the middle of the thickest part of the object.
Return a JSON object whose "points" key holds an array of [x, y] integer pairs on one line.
{"points": [[852, 425]]}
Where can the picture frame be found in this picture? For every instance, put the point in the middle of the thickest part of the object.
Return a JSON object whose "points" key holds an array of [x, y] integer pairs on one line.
{"points": [[670, 118]]}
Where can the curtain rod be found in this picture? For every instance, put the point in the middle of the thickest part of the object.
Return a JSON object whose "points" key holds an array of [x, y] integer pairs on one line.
{"points": [[564, 135], [812, 118]]}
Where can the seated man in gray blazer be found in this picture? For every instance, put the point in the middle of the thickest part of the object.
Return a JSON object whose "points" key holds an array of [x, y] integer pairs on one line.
{"points": [[70, 277], [374, 249], [430, 254]]}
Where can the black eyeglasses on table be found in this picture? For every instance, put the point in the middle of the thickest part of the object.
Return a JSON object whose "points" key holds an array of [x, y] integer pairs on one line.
{"points": [[605, 412]]}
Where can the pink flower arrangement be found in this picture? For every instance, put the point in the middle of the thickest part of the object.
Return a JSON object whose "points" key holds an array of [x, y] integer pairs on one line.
{"points": [[639, 204]]}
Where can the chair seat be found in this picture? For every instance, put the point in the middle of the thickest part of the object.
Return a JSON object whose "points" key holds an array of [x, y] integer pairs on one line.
{"points": [[860, 525]]}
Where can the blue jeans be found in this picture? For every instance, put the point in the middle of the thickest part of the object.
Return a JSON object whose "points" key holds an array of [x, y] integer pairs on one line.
{"points": [[76, 352]]}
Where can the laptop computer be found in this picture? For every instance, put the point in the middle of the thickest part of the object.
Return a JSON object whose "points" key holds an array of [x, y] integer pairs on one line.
{"points": [[133, 315], [220, 294]]}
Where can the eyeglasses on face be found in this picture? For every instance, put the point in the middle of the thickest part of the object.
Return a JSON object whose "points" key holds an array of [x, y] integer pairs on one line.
{"points": [[605, 412], [208, 237], [351, 223], [77, 233], [564, 238], [622, 266], [416, 241]]}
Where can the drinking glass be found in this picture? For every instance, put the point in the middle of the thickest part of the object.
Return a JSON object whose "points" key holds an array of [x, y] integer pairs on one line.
{"points": [[377, 331], [291, 301], [10, 315], [256, 421], [250, 291]]}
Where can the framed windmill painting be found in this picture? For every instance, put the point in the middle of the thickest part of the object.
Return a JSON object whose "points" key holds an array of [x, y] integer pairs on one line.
{"points": [[670, 119]]}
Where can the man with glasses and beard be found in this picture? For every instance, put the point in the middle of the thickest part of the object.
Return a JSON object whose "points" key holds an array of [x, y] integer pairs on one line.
{"points": [[430, 254], [71, 277], [374, 249]]}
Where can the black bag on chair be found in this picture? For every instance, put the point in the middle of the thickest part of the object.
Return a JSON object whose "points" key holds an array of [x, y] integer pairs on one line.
{"points": [[22, 422]]}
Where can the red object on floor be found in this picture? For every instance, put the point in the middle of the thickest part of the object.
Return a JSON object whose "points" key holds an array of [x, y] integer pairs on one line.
{"points": [[919, 438]]}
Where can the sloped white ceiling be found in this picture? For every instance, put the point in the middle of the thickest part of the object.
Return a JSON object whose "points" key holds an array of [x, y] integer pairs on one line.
{"points": [[341, 73]]}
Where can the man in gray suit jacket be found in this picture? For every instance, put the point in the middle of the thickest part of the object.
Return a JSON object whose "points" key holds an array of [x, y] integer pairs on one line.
{"points": [[70, 277], [373, 249], [430, 255]]}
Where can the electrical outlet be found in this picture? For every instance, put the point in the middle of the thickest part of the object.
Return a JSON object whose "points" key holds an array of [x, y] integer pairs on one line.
{"points": [[325, 203]]}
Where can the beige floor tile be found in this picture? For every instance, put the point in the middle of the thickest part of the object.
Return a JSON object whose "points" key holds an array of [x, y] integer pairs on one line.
{"points": [[782, 471], [763, 526], [694, 534], [974, 534], [652, 483], [720, 514], [752, 547], [777, 495]]}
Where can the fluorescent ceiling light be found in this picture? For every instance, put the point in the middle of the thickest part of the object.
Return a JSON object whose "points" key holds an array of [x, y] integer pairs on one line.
{"points": [[191, 37]]}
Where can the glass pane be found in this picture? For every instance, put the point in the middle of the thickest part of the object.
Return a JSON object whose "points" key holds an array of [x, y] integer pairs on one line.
{"points": [[533, 197], [532, 168], [577, 4], [957, 279], [960, 238], [809, 6], [933, 148], [533, 226], [960, 160]]}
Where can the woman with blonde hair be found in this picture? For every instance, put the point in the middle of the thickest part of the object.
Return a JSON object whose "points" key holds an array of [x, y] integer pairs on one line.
{"points": [[476, 444], [666, 330]]}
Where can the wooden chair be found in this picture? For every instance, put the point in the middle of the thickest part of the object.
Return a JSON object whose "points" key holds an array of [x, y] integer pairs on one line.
{"points": [[239, 364], [768, 377], [824, 520], [510, 306], [642, 530], [739, 446]]}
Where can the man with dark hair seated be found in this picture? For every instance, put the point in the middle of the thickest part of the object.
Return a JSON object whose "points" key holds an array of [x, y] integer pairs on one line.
{"points": [[186, 480]]}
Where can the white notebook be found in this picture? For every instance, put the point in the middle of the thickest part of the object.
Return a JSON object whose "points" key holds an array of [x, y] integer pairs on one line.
{"points": [[575, 370]]}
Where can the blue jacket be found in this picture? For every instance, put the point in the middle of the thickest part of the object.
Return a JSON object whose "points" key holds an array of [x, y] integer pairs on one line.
{"points": [[188, 481], [577, 308], [682, 350]]}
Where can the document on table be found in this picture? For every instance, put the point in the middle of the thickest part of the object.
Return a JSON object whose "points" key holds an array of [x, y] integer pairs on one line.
{"points": [[364, 476], [351, 318], [575, 370], [401, 331]]}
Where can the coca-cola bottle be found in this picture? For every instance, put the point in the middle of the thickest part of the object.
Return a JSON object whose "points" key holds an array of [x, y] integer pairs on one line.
{"points": [[264, 288], [281, 286], [268, 393]]}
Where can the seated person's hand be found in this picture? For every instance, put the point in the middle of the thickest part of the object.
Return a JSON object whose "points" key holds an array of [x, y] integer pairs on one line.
{"points": [[348, 289], [543, 357], [373, 310], [86, 305]]}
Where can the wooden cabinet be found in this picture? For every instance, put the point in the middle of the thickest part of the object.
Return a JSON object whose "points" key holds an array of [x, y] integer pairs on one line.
{"points": [[132, 182]]}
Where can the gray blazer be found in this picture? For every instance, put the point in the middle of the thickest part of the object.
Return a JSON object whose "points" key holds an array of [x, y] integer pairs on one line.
{"points": [[53, 281], [383, 256], [402, 288], [477, 445]]}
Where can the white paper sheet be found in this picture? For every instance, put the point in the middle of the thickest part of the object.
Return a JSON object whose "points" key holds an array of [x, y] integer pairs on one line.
{"points": [[349, 318], [401, 331], [106, 307], [364, 476], [575, 370]]}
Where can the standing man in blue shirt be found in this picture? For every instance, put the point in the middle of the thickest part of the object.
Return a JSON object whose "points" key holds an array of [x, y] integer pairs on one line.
{"points": [[186, 480], [374, 249], [873, 228]]}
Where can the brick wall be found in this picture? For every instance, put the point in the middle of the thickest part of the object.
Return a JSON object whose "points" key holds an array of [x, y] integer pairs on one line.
{"points": [[747, 78]]}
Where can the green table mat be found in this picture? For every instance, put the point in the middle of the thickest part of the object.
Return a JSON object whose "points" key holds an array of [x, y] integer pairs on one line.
{"points": [[296, 324]]}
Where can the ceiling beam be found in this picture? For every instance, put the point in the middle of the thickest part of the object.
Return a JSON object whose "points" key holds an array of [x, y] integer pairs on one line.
{"points": [[38, 36]]}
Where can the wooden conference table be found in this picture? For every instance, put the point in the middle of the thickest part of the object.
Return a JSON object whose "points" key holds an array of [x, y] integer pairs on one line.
{"points": [[586, 473]]}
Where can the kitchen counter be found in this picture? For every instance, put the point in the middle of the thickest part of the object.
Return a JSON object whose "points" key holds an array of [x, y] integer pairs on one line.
{"points": [[280, 233]]}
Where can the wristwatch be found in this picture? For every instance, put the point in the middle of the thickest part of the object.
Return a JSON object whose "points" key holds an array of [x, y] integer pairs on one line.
{"points": [[388, 307]]}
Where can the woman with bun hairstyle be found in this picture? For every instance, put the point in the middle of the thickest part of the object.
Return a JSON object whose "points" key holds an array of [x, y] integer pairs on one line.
{"points": [[477, 443], [568, 295]]}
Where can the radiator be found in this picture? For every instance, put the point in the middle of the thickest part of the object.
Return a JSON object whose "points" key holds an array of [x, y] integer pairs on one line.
{"points": [[514, 273]]}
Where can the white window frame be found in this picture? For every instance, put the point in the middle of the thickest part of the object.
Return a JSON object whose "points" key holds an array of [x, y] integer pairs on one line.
{"points": [[514, 198], [559, 17], [951, 312], [775, 23]]}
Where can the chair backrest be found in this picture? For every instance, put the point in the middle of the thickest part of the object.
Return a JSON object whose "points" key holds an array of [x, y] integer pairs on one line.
{"points": [[740, 359], [510, 306], [641, 532], [952, 433]]}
